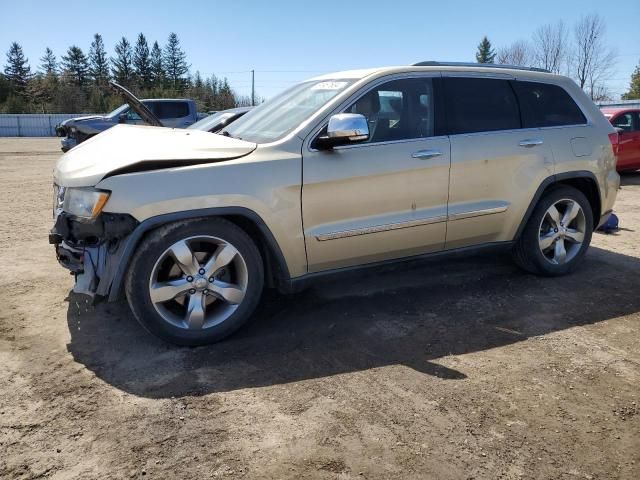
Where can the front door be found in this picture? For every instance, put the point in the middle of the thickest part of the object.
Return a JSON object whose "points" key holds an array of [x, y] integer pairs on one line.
{"points": [[385, 198]]}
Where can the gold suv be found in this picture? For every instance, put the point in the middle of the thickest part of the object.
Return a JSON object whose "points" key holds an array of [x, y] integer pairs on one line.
{"points": [[344, 170]]}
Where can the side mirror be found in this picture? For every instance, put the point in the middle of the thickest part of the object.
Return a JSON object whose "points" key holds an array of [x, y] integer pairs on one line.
{"points": [[620, 130], [123, 118], [344, 129]]}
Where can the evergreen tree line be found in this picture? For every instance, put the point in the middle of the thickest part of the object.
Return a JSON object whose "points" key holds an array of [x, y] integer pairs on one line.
{"points": [[76, 82]]}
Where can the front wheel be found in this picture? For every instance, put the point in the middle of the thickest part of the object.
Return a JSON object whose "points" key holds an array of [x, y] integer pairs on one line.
{"points": [[195, 282], [557, 234]]}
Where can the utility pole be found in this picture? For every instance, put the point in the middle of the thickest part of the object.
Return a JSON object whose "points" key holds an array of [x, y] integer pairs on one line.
{"points": [[253, 88]]}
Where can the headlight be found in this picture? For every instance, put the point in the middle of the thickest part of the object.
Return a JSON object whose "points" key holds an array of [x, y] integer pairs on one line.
{"points": [[58, 200], [84, 202]]}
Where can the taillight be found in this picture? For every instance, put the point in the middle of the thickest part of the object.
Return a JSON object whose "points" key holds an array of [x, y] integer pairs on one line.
{"points": [[614, 138]]}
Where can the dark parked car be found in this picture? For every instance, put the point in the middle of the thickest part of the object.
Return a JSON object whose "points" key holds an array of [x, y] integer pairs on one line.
{"points": [[161, 112]]}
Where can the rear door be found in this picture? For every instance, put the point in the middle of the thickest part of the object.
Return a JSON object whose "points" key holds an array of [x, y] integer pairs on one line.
{"points": [[496, 166]]}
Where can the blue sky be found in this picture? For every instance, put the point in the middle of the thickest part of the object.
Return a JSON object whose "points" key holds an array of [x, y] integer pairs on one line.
{"points": [[286, 41]]}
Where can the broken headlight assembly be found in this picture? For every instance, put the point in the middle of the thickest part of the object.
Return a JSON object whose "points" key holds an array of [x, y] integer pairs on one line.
{"points": [[84, 203]]}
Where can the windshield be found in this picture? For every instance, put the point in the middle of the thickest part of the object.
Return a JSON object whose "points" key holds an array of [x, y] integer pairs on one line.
{"points": [[280, 115]]}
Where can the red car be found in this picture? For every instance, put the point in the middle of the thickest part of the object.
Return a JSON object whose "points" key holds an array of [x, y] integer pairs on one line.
{"points": [[627, 122]]}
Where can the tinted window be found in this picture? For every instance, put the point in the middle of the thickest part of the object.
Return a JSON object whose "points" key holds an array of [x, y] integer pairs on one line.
{"points": [[624, 121], [398, 110], [545, 105], [480, 105], [152, 106], [171, 110]]}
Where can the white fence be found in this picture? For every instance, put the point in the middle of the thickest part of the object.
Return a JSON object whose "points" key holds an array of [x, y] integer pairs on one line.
{"points": [[33, 125]]}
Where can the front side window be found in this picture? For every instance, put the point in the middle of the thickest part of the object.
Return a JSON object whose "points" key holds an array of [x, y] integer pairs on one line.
{"points": [[546, 105], [480, 105], [398, 110], [282, 114]]}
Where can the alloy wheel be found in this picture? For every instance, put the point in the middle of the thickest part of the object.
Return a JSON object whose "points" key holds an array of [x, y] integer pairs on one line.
{"points": [[198, 282], [562, 231]]}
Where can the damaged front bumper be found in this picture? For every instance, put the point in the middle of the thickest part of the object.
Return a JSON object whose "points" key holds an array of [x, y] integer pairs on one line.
{"points": [[91, 250]]}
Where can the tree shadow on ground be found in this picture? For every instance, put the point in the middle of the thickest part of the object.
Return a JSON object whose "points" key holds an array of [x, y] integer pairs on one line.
{"points": [[410, 315]]}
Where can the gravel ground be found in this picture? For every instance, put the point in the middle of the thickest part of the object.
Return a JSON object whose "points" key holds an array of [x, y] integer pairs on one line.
{"points": [[465, 368]]}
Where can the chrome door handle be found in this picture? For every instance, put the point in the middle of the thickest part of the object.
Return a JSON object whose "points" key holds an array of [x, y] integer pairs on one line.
{"points": [[531, 142], [426, 154]]}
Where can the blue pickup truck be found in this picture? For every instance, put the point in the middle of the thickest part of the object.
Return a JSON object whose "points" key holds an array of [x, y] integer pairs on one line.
{"points": [[161, 112]]}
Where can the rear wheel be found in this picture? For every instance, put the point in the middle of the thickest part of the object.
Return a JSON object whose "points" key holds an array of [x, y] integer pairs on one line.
{"points": [[557, 234], [195, 282]]}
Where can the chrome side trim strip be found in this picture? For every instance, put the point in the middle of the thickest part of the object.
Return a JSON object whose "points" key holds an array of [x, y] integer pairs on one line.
{"points": [[380, 228], [476, 213], [411, 223]]}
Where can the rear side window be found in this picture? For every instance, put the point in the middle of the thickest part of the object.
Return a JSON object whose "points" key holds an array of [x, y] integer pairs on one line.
{"points": [[165, 110], [480, 105], [624, 121], [545, 105]]}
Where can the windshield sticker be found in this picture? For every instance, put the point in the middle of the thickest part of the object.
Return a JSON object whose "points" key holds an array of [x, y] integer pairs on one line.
{"points": [[329, 86]]}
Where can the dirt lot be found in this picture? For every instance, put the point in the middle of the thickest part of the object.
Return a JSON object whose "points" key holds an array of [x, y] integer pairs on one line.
{"points": [[462, 369]]}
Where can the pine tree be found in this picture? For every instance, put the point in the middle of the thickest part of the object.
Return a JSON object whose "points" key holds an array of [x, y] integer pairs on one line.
{"points": [[98, 62], [157, 66], [76, 65], [197, 81], [122, 64], [175, 63], [142, 62], [226, 98], [5, 89], [211, 89], [485, 53], [49, 65], [198, 92], [634, 87], [17, 70]]}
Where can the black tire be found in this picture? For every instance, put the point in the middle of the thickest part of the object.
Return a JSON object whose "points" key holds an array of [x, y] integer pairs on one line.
{"points": [[150, 250], [527, 253]]}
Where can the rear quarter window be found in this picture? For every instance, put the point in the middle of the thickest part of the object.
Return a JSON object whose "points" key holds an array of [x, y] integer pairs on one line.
{"points": [[480, 105], [546, 105], [165, 110]]}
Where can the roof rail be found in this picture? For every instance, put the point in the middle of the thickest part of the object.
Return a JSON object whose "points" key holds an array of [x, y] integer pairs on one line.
{"points": [[432, 63]]}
